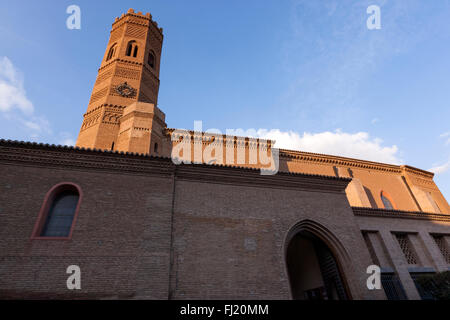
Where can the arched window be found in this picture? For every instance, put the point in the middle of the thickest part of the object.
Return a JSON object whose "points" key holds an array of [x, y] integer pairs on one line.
{"points": [[156, 148], [151, 59], [111, 52], [58, 213], [132, 49], [387, 201]]}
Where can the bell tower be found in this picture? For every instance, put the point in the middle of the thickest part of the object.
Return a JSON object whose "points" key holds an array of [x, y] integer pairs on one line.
{"points": [[128, 78]]}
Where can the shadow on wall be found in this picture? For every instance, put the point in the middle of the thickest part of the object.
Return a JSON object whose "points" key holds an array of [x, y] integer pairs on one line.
{"points": [[372, 201]]}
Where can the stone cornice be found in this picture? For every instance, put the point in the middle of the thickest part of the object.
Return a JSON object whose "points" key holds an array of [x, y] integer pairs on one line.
{"points": [[104, 105], [33, 154], [383, 213], [118, 60], [416, 171], [328, 159], [207, 137], [339, 161]]}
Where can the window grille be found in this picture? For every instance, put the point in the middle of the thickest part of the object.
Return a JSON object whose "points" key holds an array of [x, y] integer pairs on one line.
{"points": [[424, 292], [330, 273], [406, 247], [392, 287], [442, 245]]}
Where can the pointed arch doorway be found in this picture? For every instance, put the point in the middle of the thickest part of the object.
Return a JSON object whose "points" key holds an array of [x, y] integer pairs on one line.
{"points": [[314, 273]]}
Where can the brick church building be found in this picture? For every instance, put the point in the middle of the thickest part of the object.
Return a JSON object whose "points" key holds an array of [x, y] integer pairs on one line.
{"points": [[145, 217]]}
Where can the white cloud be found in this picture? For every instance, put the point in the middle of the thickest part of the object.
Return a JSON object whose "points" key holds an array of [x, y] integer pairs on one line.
{"points": [[68, 142], [37, 124], [358, 145], [446, 136], [14, 104], [66, 139], [12, 92], [441, 169]]}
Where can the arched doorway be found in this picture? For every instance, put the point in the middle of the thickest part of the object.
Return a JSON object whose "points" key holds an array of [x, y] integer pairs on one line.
{"points": [[314, 273]]}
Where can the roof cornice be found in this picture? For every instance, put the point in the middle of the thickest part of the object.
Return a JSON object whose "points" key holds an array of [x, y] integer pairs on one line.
{"points": [[45, 155], [383, 213], [416, 171], [351, 162]]}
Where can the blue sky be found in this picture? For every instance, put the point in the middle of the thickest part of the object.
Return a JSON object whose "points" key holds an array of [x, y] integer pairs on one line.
{"points": [[307, 73]]}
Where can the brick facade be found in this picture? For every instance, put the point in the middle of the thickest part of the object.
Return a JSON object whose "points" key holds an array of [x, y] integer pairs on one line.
{"points": [[147, 228]]}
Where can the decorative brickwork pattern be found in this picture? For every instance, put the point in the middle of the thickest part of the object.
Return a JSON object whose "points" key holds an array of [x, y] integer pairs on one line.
{"points": [[98, 95], [90, 121], [116, 34], [127, 73], [136, 32], [103, 76]]}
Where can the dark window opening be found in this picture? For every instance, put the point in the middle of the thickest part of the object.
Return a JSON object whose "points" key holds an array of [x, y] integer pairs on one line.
{"points": [[156, 148], [111, 53], [112, 147], [151, 60], [392, 287], [60, 216], [132, 49]]}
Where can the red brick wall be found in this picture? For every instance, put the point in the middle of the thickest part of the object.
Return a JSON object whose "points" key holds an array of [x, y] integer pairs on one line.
{"points": [[217, 233], [121, 239]]}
